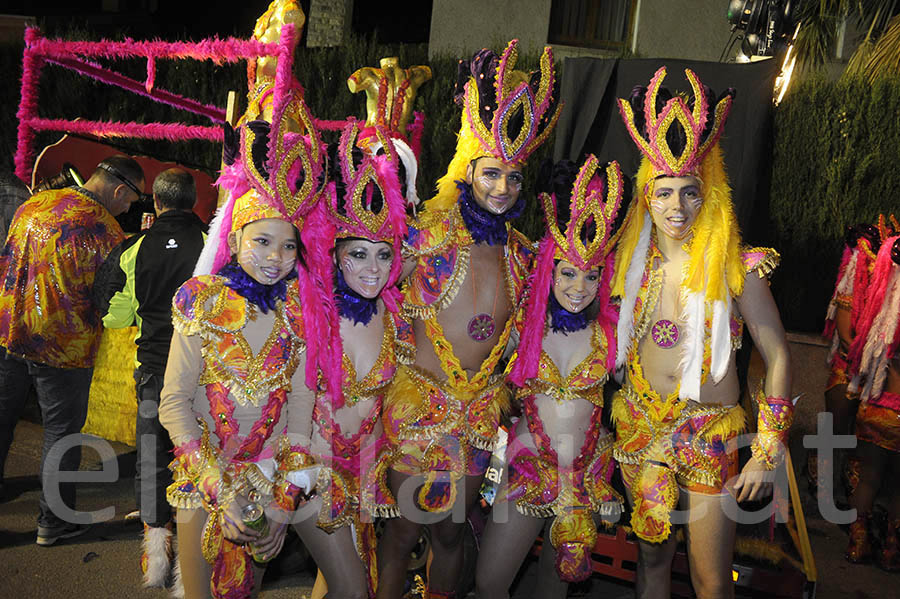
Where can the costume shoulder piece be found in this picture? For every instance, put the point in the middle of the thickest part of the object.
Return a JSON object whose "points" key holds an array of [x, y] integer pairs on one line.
{"points": [[404, 339], [521, 259], [294, 311], [431, 232], [763, 260], [205, 302]]}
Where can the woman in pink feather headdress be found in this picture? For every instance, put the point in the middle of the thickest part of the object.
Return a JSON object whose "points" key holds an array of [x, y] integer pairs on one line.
{"points": [[560, 454], [366, 226], [873, 355]]}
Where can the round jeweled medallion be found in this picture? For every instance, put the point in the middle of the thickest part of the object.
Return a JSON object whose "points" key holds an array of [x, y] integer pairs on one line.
{"points": [[481, 327], [664, 333]]}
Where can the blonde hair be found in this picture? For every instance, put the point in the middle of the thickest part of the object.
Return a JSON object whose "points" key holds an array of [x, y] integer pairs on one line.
{"points": [[715, 267]]}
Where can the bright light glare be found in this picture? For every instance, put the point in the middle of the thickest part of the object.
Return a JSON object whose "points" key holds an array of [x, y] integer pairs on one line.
{"points": [[783, 80]]}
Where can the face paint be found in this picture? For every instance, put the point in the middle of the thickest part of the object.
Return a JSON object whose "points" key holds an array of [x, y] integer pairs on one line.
{"points": [[495, 185], [366, 265], [574, 288], [266, 249], [674, 204]]}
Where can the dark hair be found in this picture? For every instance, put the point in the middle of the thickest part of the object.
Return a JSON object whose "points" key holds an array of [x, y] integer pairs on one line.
{"points": [[175, 189], [124, 165]]}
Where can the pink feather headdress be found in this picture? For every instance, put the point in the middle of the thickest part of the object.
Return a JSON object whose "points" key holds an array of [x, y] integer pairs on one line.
{"points": [[355, 215], [878, 334], [284, 178], [594, 204]]}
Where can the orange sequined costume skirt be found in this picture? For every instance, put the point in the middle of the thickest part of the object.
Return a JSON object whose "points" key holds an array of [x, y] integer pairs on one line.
{"points": [[687, 447]]}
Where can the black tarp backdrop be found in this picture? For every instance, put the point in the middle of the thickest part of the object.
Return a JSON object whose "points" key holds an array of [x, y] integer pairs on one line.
{"points": [[590, 122]]}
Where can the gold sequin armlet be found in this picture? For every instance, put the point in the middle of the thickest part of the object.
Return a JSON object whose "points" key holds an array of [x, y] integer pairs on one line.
{"points": [[776, 414]]}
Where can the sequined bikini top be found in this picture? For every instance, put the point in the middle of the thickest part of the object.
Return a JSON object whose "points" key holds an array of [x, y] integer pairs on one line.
{"points": [[584, 381], [381, 373]]}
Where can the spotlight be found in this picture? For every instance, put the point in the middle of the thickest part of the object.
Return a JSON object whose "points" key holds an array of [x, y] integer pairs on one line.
{"points": [[768, 25]]}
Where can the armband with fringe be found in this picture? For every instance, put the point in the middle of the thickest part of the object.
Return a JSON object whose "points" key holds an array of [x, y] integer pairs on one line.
{"points": [[199, 479], [291, 459], [772, 429]]}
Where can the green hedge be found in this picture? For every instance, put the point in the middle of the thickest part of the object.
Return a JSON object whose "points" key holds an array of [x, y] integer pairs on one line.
{"points": [[836, 157]]}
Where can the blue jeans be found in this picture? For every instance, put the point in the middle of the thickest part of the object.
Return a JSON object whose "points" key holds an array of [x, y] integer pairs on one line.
{"points": [[154, 452], [63, 398]]}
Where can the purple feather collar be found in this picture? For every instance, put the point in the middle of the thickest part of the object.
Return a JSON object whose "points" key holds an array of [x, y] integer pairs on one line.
{"points": [[483, 226], [352, 305], [263, 296], [563, 321]]}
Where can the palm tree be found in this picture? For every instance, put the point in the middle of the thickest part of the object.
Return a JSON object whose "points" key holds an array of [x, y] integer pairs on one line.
{"points": [[879, 50]]}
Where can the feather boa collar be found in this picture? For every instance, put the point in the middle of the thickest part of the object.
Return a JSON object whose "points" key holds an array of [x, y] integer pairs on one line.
{"points": [[483, 226]]}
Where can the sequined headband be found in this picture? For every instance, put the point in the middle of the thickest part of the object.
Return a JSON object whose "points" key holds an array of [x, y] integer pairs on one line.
{"points": [[659, 131], [509, 112]]}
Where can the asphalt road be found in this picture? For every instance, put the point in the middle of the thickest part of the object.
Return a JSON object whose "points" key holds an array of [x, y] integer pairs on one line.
{"points": [[104, 562]]}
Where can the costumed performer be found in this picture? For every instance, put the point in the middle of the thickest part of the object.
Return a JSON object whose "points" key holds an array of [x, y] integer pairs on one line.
{"points": [[687, 286], [368, 192], [237, 400], [841, 324], [441, 414], [566, 352], [873, 354]]}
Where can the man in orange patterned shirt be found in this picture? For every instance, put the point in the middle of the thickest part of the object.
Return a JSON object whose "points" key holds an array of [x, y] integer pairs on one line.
{"points": [[49, 328]]}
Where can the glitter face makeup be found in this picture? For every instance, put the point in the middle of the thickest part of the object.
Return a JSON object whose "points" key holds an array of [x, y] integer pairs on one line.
{"points": [[674, 205], [266, 249], [365, 265], [495, 185], [574, 288]]}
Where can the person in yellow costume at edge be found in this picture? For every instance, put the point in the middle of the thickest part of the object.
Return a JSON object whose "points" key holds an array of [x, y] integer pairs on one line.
{"points": [[687, 286], [468, 267]]}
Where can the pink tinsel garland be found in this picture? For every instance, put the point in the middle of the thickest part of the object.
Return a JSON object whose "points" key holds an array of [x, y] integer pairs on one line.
{"points": [[103, 75], [70, 54], [168, 131]]}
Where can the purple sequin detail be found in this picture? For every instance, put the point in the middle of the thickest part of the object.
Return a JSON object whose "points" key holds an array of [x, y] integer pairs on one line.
{"points": [[264, 296], [483, 226], [352, 305], [563, 321]]}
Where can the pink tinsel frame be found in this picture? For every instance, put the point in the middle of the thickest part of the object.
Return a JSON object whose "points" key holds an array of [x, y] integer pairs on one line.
{"points": [[39, 50]]}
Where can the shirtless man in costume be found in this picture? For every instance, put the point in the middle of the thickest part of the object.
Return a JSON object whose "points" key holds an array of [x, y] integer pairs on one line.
{"points": [[687, 286], [442, 413]]}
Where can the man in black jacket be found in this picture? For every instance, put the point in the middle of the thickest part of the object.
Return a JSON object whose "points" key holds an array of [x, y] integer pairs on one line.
{"points": [[135, 286]]}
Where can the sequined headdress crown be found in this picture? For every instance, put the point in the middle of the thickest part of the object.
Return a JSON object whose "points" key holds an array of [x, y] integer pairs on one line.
{"points": [[585, 243], [506, 114], [352, 209], [593, 209], [509, 112], [271, 172], [673, 134]]}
